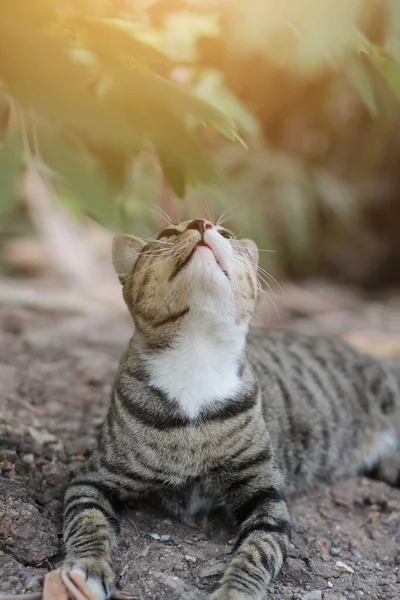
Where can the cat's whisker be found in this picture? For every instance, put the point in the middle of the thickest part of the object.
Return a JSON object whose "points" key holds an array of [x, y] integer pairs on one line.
{"points": [[260, 274], [239, 243], [263, 272], [135, 273], [220, 219], [231, 217], [134, 254], [155, 252], [227, 214], [264, 291], [258, 316], [150, 240], [159, 262], [162, 213], [208, 211]]}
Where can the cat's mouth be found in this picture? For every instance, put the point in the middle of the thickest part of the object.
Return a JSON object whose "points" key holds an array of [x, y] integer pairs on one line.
{"points": [[200, 247]]}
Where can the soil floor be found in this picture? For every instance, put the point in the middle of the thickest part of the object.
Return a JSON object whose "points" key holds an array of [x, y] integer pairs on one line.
{"points": [[56, 373]]}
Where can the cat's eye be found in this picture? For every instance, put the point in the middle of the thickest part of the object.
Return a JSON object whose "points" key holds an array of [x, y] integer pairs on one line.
{"points": [[168, 233], [226, 234]]}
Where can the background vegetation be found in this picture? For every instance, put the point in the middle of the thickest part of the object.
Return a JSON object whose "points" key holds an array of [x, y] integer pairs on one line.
{"points": [[102, 113]]}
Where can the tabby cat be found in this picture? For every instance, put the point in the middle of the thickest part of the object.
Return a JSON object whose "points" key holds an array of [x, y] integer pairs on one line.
{"points": [[206, 413]]}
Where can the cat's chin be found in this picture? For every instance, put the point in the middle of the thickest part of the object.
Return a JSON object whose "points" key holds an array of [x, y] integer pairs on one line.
{"points": [[206, 264], [204, 272]]}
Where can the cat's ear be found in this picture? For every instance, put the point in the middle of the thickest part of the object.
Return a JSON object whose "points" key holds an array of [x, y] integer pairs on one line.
{"points": [[252, 249], [125, 251]]}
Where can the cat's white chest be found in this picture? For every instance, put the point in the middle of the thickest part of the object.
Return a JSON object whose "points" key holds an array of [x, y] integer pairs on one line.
{"points": [[197, 372]]}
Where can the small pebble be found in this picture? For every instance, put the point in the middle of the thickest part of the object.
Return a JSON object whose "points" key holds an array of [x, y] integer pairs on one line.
{"points": [[191, 559], [155, 536], [165, 538], [28, 459], [343, 567], [357, 554], [335, 548], [330, 584]]}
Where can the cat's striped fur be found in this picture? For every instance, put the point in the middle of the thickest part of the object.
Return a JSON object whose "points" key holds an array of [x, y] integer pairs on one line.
{"points": [[204, 414]]}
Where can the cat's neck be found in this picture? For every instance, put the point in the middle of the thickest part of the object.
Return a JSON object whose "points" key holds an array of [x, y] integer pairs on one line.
{"points": [[202, 367]]}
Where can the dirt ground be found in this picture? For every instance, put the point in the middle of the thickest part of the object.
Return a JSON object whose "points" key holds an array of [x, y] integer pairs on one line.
{"points": [[56, 373]]}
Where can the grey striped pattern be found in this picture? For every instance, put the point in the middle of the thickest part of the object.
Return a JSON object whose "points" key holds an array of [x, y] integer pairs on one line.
{"points": [[310, 410]]}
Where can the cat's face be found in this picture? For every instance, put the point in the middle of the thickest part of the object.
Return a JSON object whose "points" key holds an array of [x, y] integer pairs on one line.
{"points": [[194, 267]]}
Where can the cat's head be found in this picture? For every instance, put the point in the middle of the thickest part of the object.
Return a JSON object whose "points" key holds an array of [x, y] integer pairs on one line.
{"points": [[191, 270]]}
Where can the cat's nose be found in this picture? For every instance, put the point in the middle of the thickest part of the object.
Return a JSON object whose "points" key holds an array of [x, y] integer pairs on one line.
{"points": [[201, 225]]}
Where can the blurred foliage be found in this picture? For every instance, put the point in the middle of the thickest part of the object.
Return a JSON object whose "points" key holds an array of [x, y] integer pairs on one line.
{"points": [[78, 64], [312, 86], [322, 79]]}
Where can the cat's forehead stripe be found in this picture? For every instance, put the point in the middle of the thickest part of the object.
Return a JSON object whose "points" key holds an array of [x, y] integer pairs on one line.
{"points": [[179, 228]]}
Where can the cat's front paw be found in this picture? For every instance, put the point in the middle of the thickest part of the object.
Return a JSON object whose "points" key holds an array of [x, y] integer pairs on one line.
{"points": [[226, 593], [96, 573]]}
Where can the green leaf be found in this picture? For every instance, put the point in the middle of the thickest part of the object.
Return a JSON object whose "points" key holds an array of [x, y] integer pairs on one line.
{"points": [[174, 175], [388, 67], [93, 82], [360, 79], [180, 102], [75, 174], [119, 34], [211, 87], [241, 141]]}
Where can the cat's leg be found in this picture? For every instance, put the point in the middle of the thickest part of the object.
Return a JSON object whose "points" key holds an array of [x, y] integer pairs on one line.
{"points": [[91, 523], [258, 504]]}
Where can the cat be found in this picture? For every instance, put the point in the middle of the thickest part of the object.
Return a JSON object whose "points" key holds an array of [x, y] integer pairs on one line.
{"points": [[207, 413]]}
